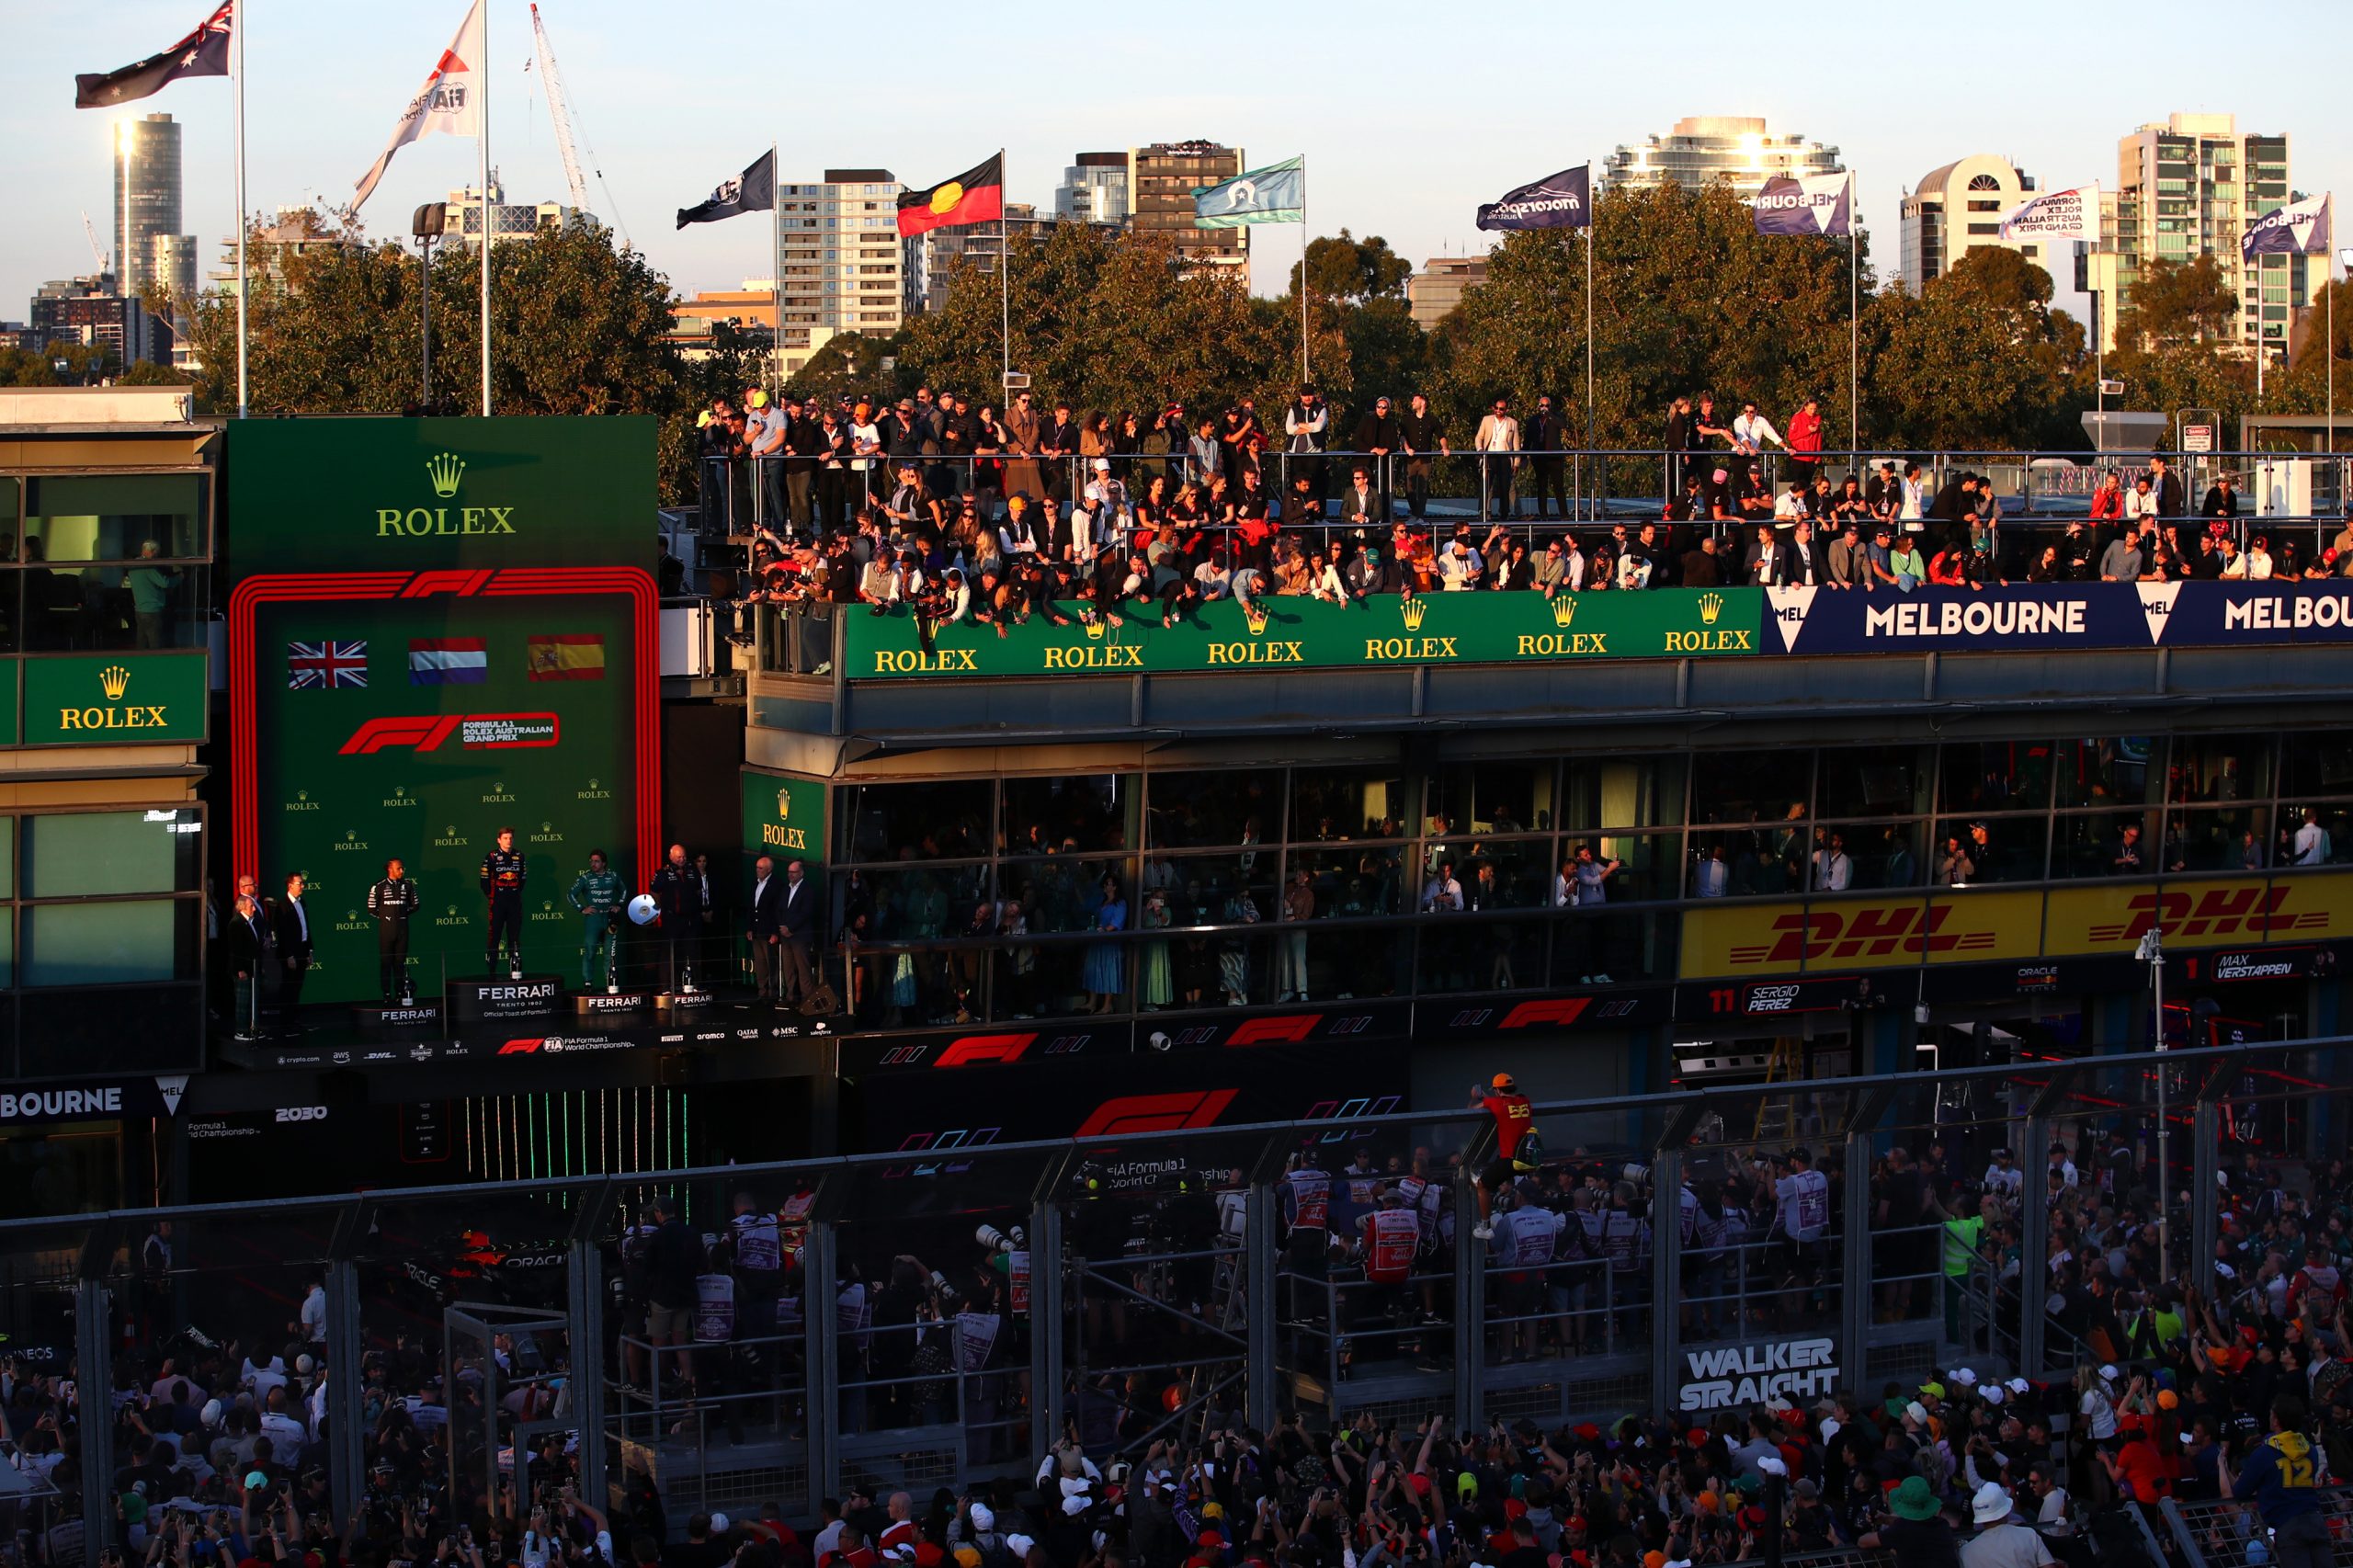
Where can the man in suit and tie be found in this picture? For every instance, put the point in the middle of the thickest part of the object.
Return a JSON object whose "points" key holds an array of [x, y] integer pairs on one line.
{"points": [[249, 958], [293, 927], [767, 928], [784, 920]]}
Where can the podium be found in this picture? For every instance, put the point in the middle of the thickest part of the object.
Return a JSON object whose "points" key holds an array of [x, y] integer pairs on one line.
{"points": [[494, 999], [610, 1003], [423, 1013]]}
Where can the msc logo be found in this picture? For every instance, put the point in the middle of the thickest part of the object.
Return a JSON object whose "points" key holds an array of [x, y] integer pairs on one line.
{"points": [[445, 470], [301, 801], [1155, 1113], [2216, 912], [113, 681], [595, 791], [1872, 931]]}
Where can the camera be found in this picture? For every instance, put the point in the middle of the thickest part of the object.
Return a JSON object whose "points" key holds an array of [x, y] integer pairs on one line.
{"points": [[1160, 1040]]}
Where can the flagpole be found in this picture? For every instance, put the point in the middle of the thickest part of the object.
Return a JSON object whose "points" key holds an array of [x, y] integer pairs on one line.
{"points": [[776, 277], [1302, 270], [1592, 440], [237, 112], [1004, 286], [482, 86], [1854, 326]]}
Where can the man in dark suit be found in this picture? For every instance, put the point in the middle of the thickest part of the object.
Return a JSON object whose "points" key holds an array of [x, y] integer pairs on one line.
{"points": [[249, 958], [767, 928], [797, 917], [292, 925], [2165, 485]]}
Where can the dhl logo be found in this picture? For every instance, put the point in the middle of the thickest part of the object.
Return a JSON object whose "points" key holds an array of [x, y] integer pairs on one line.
{"points": [[1870, 931], [2216, 912]]}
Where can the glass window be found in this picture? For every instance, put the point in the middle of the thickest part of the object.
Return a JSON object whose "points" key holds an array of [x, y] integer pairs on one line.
{"points": [[7, 857], [2103, 844], [2113, 770], [1872, 781], [96, 606], [1062, 894], [1215, 889], [2316, 762], [1889, 856], [1767, 861], [2234, 839], [1629, 792], [1230, 806], [113, 852], [1332, 803], [916, 905], [1066, 814], [1982, 849], [1649, 866], [948, 820], [104, 944], [1507, 873], [1352, 881], [2216, 769], [1491, 796], [2314, 836], [1762, 787], [2002, 776], [115, 517]]}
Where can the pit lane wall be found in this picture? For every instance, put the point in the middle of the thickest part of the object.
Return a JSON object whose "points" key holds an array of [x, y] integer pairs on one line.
{"points": [[1525, 628]]}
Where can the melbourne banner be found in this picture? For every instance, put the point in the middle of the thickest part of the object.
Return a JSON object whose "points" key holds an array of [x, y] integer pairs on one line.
{"points": [[440, 628], [1805, 204], [1302, 634], [2059, 615]]}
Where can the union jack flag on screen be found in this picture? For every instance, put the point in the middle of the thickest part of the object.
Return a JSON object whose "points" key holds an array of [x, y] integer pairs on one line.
{"points": [[319, 667]]}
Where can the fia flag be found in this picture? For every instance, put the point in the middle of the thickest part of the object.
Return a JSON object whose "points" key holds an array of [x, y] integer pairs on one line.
{"points": [[1804, 204], [2056, 216], [1557, 202], [753, 191], [449, 102], [1275, 194], [204, 52], [2301, 228]]}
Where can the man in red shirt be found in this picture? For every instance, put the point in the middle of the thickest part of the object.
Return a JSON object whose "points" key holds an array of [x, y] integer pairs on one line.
{"points": [[1514, 1120]]}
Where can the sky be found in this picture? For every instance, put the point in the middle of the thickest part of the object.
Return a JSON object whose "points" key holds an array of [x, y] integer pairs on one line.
{"points": [[1408, 115]]}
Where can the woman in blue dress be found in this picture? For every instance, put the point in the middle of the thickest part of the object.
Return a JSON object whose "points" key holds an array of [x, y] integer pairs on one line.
{"points": [[1106, 962]]}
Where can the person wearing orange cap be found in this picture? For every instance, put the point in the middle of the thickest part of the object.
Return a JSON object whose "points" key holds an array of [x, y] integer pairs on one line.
{"points": [[1515, 1142]]}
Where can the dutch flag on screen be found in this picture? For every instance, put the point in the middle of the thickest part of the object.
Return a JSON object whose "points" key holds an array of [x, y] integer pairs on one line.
{"points": [[448, 661]]}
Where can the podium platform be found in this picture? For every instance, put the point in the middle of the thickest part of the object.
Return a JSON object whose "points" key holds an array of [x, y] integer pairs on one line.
{"points": [[423, 1014], [495, 999]]}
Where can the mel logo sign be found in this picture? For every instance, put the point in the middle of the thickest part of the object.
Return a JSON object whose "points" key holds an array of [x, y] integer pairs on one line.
{"points": [[1742, 1376]]}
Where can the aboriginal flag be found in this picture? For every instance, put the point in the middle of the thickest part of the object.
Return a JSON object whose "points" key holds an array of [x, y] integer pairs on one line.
{"points": [[976, 196]]}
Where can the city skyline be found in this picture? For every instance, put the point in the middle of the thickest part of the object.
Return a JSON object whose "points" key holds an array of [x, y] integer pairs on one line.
{"points": [[662, 127]]}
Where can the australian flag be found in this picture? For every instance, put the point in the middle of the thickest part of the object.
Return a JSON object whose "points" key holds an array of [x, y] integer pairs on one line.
{"points": [[322, 666], [204, 52]]}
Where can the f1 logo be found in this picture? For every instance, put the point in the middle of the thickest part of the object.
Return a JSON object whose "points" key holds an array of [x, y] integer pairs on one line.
{"points": [[424, 733], [974, 1050], [520, 1047], [1560, 1010], [1291, 1028], [1156, 1113]]}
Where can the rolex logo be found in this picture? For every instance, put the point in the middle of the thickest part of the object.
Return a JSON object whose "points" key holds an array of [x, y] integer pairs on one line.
{"points": [[1564, 610], [783, 805], [1254, 615], [114, 680], [1412, 611], [445, 470], [1710, 607], [1095, 629]]}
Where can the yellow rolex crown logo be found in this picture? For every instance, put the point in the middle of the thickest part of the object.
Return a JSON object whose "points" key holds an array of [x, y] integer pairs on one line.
{"points": [[1254, 615], [783, 803], [1412, 611], [445, 470], [1710, 607], [1564, 610], [114, 680], [1095, 630]]}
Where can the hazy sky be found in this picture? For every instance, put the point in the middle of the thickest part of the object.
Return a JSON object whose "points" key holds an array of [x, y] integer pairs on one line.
{"points": [[1409, 116]]}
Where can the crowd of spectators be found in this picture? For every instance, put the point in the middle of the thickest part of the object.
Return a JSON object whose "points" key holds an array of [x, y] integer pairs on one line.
{"points": [[957, 511]]}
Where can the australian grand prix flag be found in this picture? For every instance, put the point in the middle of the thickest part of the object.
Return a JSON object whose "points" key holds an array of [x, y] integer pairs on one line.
{"points": [[2301, 228], [1805, 204], [2055, 216], [1556, 201]]}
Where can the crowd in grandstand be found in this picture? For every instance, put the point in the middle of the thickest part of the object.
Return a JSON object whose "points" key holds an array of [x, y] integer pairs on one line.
{"points": [[957, 511], [2241, 1397]]}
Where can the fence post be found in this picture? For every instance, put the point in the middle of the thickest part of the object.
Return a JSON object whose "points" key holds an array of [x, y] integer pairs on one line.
{"points": [[583, 1278], [1470, 1309], [1666, 1271], [347, 1434], [2034, 1244], [1046, 1323], [94, 1374], [2205, 1182], [821, 1325], [1855, 1296], [1258, 1270]]}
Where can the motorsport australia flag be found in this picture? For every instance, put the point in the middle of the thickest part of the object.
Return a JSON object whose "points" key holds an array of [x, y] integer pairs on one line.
{"points": [[1275, 194], [753, 191], [1556, 201], [2301, 228], [976, 196], [1804, 204], [450, 103], [204, 52]]}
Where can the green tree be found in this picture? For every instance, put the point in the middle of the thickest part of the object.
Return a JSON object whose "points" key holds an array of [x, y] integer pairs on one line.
{"points": [[1354, 270], [847, 365], [1978, 361], [2177, 302]]}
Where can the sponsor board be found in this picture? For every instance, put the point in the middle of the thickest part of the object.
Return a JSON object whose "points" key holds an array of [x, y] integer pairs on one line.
{"points": [[1889, 931], [2030, 617], [92, 1100], [1776, 1372]]}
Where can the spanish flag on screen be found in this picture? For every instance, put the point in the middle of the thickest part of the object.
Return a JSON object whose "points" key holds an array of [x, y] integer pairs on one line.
{"points": [[575, 657], [976, 196]]}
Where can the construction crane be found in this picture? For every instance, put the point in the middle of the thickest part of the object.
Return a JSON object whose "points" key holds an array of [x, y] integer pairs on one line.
{"points": [[561, 112], [96, 254]]}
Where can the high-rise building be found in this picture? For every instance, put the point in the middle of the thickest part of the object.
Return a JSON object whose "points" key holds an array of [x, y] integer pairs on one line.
{"points": [[1704, 148], [2189, 187], [1094, 189], [844, 266], [1958, 208], [88, 309], [1160, 182], [149, 250], [1439, 286], [509, 220]]}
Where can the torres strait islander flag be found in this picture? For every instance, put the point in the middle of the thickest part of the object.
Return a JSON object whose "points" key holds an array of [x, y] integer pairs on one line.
{"points": [[448, 661], [976, 196]]}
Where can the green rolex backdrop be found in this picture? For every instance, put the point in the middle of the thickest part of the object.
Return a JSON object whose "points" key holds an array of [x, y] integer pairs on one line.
{"points": [[784, 818], [440, 628]]}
